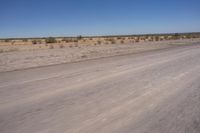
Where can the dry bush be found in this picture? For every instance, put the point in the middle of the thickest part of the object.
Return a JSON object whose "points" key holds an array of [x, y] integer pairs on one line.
{"points": [[150, 38], [24, 40], [113, 41], [84, 56], [166, 37], [142, 38], [68, 40], [65, 40], [145, 37], [39, 41], [122, 41], [188, 36], [79, 37], [76, 41], [176, 36], [157, 38], [1, 50], [50, 40], [7, 40], [34, 42], [133, 37], [137, 39], [107, 39], [99, 42]]}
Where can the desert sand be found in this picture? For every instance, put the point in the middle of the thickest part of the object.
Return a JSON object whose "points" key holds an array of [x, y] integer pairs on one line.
{"points": [[28, 56]]}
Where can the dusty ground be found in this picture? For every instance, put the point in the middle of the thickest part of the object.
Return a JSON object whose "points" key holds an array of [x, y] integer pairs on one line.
{"points": [[26, 56], [150, 92]]}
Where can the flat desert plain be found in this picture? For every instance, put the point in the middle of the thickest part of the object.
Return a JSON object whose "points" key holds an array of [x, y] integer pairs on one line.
{"points": [[149, 92], [21, 55]]}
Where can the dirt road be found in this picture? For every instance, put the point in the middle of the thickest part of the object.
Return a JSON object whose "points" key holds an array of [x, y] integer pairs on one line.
{"points": [[152, 92]]}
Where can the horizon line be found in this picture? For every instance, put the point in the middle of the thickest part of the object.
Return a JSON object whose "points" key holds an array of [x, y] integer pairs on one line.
{"points": [[96, 36]]}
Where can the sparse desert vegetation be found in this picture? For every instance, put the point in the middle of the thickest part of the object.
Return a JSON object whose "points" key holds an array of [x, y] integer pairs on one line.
{"points": [[26, 52], [66, 42], [50, 40], [115, 66], [34, 42]]}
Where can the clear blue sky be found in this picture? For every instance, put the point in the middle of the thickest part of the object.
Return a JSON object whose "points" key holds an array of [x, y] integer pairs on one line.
{"points": [[35, 18]]}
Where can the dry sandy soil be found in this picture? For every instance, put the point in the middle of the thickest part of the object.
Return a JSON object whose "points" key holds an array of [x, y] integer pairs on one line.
{"points": [[26, 56], [149, 92]]}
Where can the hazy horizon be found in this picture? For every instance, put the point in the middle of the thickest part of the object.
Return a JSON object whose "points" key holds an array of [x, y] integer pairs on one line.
{"points": [[74, 36]]}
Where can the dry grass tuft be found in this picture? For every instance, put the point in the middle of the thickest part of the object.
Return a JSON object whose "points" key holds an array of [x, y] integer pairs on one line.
{"points": [[99, 42], [50, 40], [122, 42], [1, 50]]}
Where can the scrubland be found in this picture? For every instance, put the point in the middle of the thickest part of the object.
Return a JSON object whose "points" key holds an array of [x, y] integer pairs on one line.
{"points": [[33, 52]]}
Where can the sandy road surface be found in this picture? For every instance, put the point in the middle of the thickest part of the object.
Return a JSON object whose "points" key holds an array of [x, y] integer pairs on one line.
{"points": [[152, 92]]}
